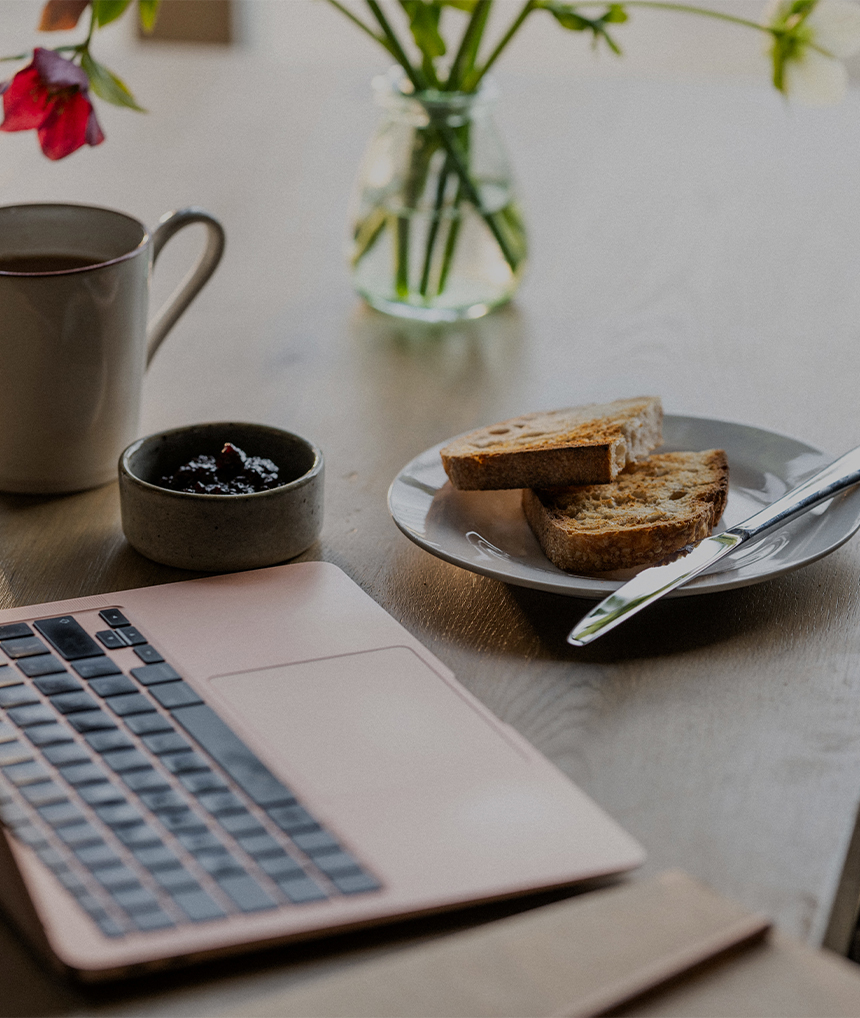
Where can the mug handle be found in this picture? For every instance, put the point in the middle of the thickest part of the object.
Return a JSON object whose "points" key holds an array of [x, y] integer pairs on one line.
{"points": [[168, 225]]}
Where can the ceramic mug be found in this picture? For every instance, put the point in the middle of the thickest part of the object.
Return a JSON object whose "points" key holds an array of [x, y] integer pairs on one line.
{"points": [[74, 338]]}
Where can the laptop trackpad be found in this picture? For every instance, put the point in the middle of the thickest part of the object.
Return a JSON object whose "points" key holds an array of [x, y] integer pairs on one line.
{"points": [[381, 718]]}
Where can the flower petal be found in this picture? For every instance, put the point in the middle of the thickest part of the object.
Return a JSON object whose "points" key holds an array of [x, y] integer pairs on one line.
{"points": [[94, 134], [836, 27], [815, 79], [65, 128], [25, 101], [57, 72]]}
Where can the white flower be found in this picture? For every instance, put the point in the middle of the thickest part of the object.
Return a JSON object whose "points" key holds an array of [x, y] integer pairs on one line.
{"points": [[810, 41]]}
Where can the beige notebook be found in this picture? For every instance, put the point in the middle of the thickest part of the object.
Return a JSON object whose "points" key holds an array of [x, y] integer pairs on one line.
{"points": [[662, 948]]}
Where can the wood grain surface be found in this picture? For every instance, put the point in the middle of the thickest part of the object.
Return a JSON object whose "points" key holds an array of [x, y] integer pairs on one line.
{"points": [[692, 237]]}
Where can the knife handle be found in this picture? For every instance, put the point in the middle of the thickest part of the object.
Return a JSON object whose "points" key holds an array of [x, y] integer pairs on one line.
{"points": [[842, 473]]}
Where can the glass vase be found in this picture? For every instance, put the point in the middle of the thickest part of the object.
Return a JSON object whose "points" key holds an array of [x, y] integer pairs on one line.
{"points": [[437, 233]]}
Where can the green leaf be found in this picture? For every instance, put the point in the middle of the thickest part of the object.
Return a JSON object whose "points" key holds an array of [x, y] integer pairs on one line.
{"points": [[424, 25], [106, 11], [461, 5], [568, 17], [148, 12], [107, 85]]}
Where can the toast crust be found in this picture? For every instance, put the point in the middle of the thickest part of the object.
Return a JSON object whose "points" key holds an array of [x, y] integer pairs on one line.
{"points": [[580, 445], [652, 510]]}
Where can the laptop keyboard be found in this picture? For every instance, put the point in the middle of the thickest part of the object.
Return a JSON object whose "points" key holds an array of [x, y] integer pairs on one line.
{"points": [[145, 804]]}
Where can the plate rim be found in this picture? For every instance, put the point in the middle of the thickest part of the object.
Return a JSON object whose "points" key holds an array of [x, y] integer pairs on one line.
{"points": [[597, 588]]}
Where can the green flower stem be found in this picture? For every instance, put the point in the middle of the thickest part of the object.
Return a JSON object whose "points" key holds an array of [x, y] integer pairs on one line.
{"points": [[472, 82], [394, 47], [432, 233], [450, 243], [464, 61], [357, 21], [664, 5], [366, 233]]}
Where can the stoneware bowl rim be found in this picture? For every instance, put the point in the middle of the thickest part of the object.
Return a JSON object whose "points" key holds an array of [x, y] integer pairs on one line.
{"points": [[314, 470]]}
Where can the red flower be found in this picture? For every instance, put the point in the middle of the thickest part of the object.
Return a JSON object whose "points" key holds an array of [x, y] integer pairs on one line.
{"points": [[50, 95]]}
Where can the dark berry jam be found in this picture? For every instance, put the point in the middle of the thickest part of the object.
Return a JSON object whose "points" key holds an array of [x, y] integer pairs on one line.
{"points": [[231, 472]]}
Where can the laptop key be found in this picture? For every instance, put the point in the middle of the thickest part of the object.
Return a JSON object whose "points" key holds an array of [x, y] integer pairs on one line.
{"points": [[48, 735], [133, 636], [16, 696], [165, 742], [182, 763], [150, 675], [157, 857], [293, 819], [15, 630], [68, 637], [76, 835], [43, 793], [148, 654], [84, 773], [154, 920], [125, 760], [65, 753], [145, 724], [228, 750], [117, 877], [240, 823], [201, 842], [32, 714], [14, 752], [113, 738], [337, 863], [281, 867], [203, 781], [114, 617], [198, 905], [247, 893], [136, 900], [167, 801], [145, 780], [258, 845], [112, 685], [104, 794], [122, 814], [355, 883], [52, 684], [316, 843], [302, 889], [90, 721], [133, 703], [23, 647], [27, 773], [111, 639], [98, 856], [138, 835], [93, 667], [174, 694], [176, 880], [219, 803], [221, 864], [41, 664], [70, 703]]}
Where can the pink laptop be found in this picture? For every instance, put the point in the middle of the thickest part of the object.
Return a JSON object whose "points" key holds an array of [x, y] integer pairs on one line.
{"points": [[226, 763]]}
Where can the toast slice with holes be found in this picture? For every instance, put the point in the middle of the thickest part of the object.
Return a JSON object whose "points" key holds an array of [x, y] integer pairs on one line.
{"points": [[648, 514], [581, 445]]}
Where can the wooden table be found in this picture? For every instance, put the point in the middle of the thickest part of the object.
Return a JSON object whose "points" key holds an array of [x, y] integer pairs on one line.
{"points": [[692, 237]]}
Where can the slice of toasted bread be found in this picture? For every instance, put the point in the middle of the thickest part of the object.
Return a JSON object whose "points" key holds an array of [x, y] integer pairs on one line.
{"points": [[648, 513], [580, 445]]}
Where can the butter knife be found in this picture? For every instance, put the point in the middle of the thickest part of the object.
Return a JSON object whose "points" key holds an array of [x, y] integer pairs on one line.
{"points": [[651, 584]]}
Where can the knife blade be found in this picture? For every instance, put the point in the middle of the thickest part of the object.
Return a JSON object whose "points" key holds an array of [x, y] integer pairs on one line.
{"points": [[653, 583]]}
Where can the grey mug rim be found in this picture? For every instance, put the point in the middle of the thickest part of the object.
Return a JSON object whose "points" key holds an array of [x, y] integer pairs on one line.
{"points": [[309, 475], [140, 246]]}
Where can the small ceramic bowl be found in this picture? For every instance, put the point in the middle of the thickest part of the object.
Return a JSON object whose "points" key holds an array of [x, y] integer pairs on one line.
{"points": [[221, 533]]}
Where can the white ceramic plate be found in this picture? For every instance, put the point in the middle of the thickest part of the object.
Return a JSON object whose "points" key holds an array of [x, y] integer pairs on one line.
{"points": [[486, 532]]}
